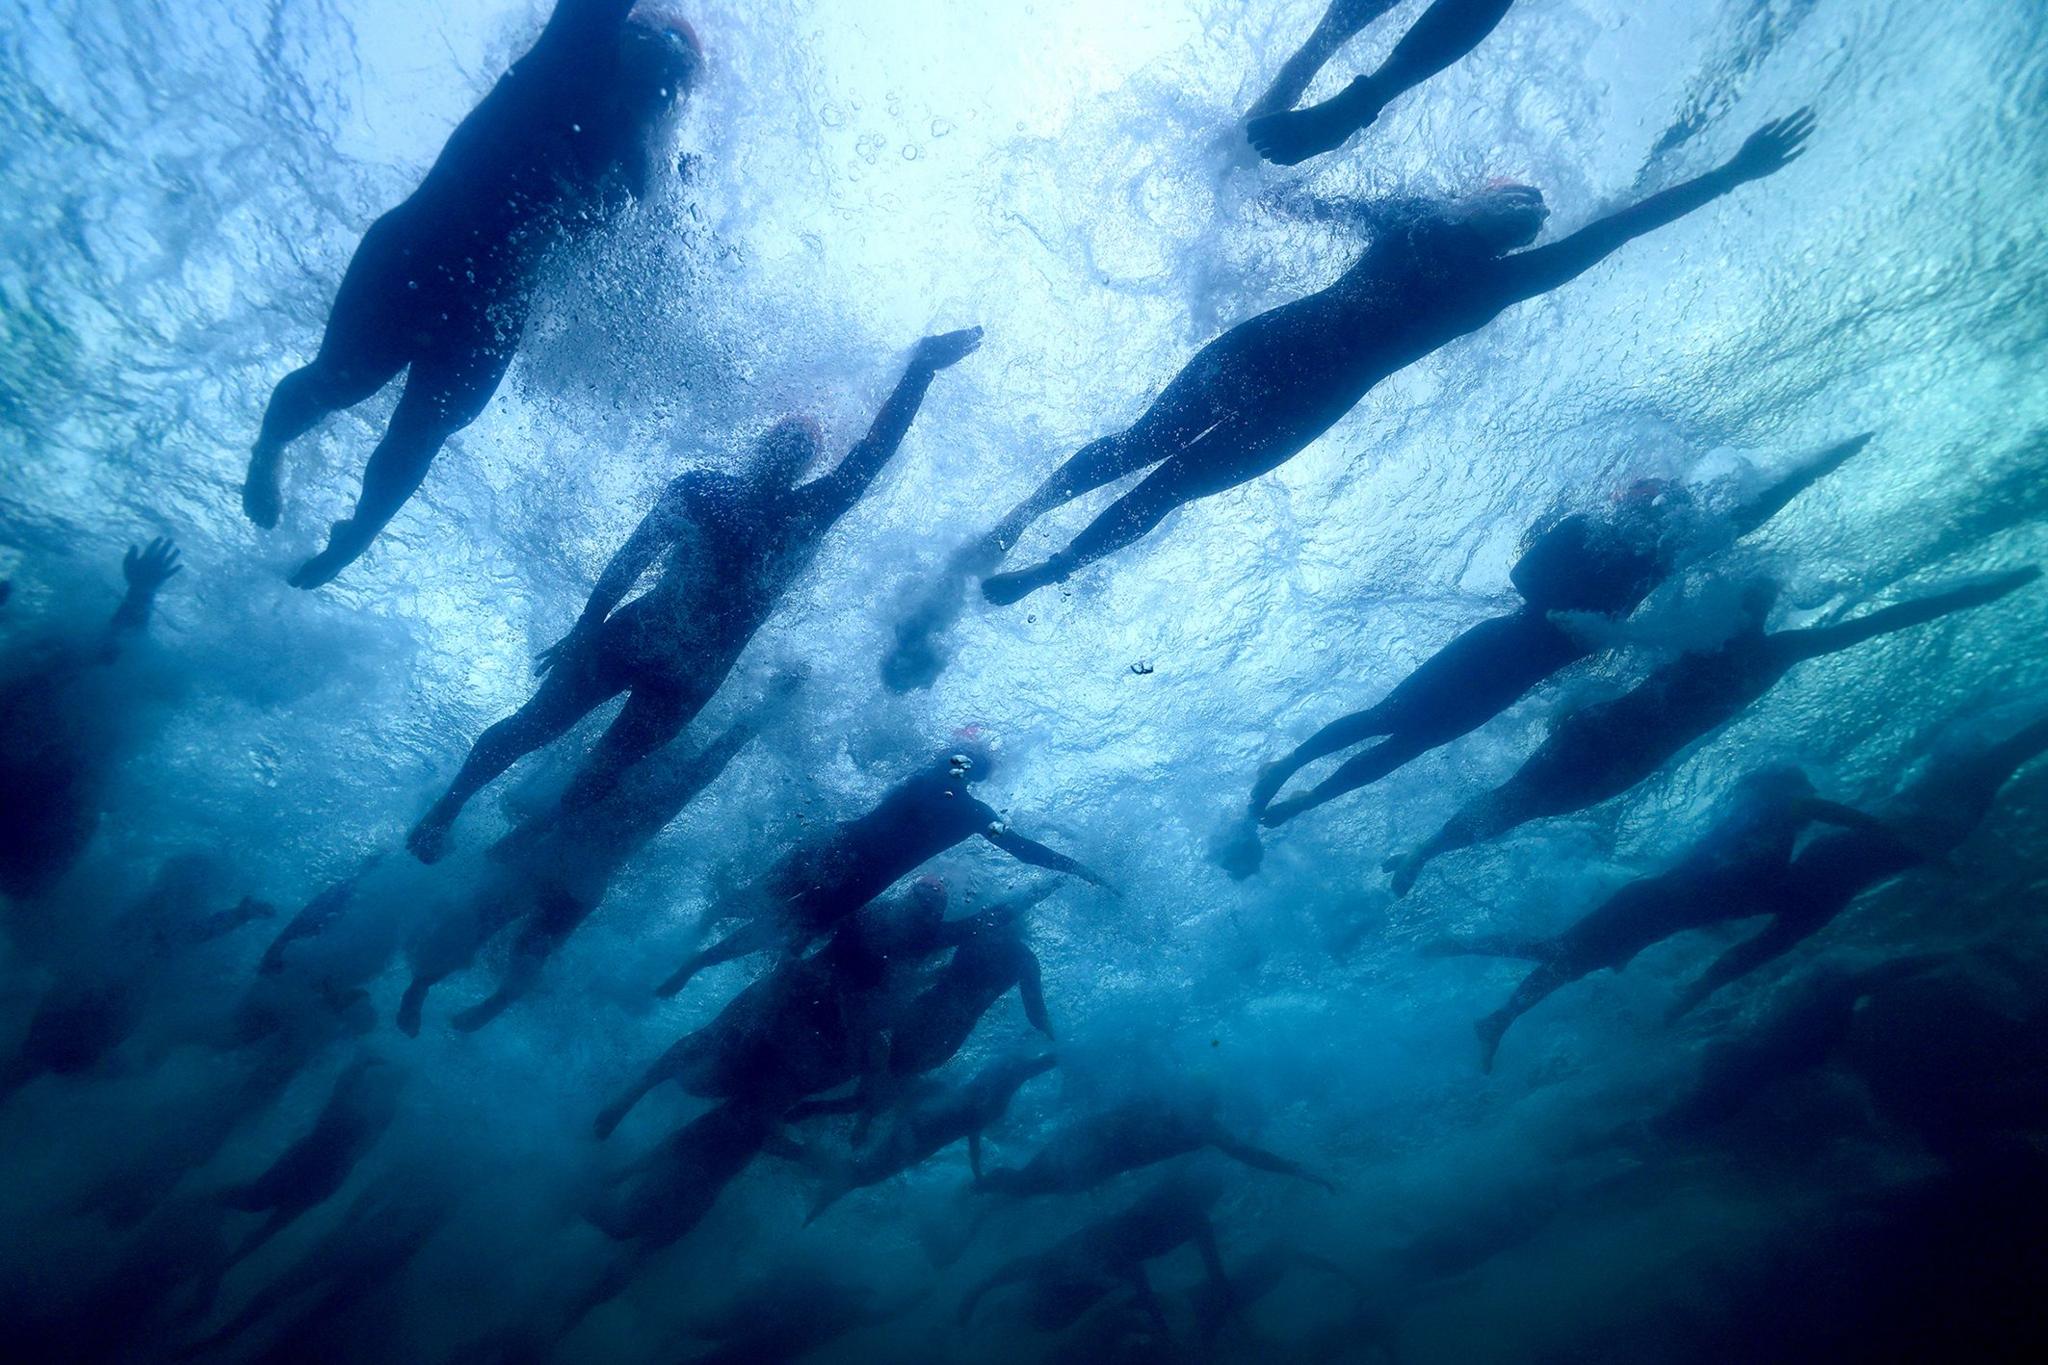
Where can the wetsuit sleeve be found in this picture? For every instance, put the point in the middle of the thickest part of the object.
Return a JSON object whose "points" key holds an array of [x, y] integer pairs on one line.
{"points": [[1544, 268], [1038, 855], [1818, 640], [659, 529], [830, 496], [1258, 1158], [1748, 516]]}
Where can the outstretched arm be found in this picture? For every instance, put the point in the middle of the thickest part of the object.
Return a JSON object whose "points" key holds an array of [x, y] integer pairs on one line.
{"points": [[1768, 150], [664, 525], [1750, 515], [1038, 855], [834, 493], [1776, 939], [146, 571], [1817, 640], [1258, 1158]]}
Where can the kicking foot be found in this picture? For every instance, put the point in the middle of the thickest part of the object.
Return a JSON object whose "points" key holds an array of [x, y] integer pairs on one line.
{"points": [[1280, 812], [261, 500], [1404, 870], [344, 547], [1490, 1030], [429, 838], [1006, 588], [1290, 138]]}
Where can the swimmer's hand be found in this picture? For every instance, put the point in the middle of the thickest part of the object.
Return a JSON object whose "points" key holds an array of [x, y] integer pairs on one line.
{"points": [[148, 570], [946, 349], [558, 651], [1774, 146]]}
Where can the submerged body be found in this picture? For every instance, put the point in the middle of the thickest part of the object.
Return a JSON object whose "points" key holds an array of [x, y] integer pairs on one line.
{"points": [[440, 286], [1127, 1138], [1603, 568], [1262, 392], [826, 879], [1604, 750], [730, 548]]}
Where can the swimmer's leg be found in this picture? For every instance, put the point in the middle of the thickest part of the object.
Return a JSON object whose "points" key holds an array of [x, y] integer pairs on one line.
{"points": [[1447, 31], [654, 714], [756, 936], [1340, 23], [666, 1067], [363, 349], [571, 690], [1481, 819], [445, 392], [1534, 988], [1338, 735], [1195, 473]]}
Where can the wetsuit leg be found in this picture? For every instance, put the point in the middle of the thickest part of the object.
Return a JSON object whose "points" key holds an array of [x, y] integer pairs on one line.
{"points": [[572, 689], [449, 387], [1213, 463], [1340, 23], [1480, 820], [1447, 31], [1534, 988], [654, 714], [1360, 771], [371, 334], [1338, 735]]}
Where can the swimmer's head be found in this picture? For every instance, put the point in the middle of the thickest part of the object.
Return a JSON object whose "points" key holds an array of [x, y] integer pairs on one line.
{"points": [[1503, 217], [787, 450], [970, 758], [659, 55]]}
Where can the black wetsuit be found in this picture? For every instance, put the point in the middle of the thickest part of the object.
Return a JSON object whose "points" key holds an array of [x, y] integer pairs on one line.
{"points": [[929, 1123], [823, 881], [732, 547], [1735, 867], [1935, 813], [1445, 32], [358, 1110], [1604, 750], [1139, 1133], [1077, 1272], [1262, 392], [1583, 565], [933, 1027], [551, 880], [810, 1025], [440, 285]]}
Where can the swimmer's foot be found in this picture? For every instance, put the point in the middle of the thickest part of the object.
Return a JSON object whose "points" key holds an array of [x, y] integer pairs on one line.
{"points": [[261, 499], [1006, 588], [1280, 812], [429, 838], [1490, 1030], [344, 547], [1293, 137], [1404, 870]]}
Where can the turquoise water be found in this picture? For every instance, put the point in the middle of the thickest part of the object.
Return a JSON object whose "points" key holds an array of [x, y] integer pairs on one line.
{"points": [[181, 186]]}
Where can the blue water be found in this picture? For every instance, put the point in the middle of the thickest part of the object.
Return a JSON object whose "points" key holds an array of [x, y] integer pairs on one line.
{"points": [[181, 186]]}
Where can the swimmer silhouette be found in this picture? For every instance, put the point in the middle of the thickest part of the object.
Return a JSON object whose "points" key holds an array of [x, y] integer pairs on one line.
{"points": [[733, 545], [442, 283], [1933, 815], [1605, 749], [1603, 567], [828, 878], [1446, 31], [1262, 392], [1733, 868], [57, 740]]}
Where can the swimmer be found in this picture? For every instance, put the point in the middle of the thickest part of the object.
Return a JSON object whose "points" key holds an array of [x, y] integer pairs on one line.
{"points": [[1602, 751], [730, 547], [440, 286], [1264, 391]]}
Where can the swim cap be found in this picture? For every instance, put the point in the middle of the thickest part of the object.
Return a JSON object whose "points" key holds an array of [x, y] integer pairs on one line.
{"points": [[663, 19]]}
